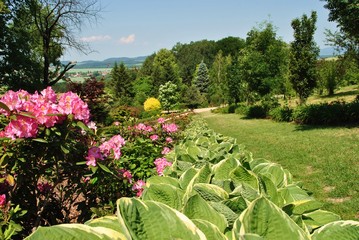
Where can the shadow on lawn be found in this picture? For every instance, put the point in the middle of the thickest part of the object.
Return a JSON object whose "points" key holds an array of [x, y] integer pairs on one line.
{"points": [[305, 127], [341, 94]]}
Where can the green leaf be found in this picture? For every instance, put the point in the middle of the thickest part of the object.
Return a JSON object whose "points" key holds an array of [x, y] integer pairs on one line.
{"points": [[264, 218], [302, 206], [210, 230], [274, 172], [75, 231], [339, 230], [222, 169], [163, 179], [111, 222], [154, 220], [210, 192], [5, 107], [40, 140], [103, 167], [186, 177], [164, 193], [241, 175], [26, 114], [319, 218], [203, 175], [64, 150], [246, 191], [197, 208], [293, 193], [82, 126]]}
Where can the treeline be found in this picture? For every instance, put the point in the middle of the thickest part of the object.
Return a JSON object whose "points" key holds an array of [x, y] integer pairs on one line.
{"points": [[234, 70]]}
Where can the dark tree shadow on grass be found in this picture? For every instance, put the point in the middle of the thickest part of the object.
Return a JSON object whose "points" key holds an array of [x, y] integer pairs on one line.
{"points": [[306, 127]]}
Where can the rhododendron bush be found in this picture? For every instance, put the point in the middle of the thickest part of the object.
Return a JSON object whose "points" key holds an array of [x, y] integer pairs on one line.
{"points": [[56, 165]]}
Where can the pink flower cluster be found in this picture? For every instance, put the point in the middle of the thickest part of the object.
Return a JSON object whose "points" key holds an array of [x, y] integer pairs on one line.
{"points": [[126, 175], [144, 127], [105, 149], [161, 164], [2, 199], [138, 187], [33, 110], [169, 128]]}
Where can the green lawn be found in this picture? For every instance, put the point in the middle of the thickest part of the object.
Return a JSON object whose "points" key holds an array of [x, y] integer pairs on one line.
{"points": [[325, 159]]}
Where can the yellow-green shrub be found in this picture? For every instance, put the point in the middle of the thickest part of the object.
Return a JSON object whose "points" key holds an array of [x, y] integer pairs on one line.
{"points": [[151, 104]]}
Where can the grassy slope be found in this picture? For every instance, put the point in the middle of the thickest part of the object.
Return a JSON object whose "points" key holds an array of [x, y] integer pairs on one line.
{"points": [[324, 159]]}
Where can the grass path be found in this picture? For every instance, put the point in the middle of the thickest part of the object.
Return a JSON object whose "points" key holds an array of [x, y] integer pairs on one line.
{"points": [[326, 160]]}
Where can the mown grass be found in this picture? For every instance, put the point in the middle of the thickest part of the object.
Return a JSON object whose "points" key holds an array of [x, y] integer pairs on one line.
{"points": [[325, 159]]}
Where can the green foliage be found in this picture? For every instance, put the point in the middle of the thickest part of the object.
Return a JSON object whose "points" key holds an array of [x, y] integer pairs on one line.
{"points": [[192, 98], [201, 78], [303, 56], [168, 95], [281, 114], [143, 88], [121, 83], [210, 178], [334, 113]]}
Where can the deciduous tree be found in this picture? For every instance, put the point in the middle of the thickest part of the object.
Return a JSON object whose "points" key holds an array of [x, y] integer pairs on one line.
{"points": [[303, 56]]}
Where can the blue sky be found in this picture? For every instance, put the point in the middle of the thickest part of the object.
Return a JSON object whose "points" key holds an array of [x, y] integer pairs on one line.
{"points": [[131, 28]]}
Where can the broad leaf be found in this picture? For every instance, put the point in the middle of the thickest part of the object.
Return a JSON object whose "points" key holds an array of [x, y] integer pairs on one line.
{"points": [[222, 169], [339, 230], [319, 218], [197, 208], [264, 218], [210, 192], [162, 179], [302, 206], [210, 230], [241, 175], [154, 220], [165, 193], [76, 231]]}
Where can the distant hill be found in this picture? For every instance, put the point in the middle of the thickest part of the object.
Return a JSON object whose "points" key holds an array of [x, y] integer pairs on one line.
{"points": [[328, 52], [108, 63]]}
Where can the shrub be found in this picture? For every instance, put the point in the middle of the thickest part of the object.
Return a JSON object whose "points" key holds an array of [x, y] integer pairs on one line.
{"points": [[256, 111], [334, 113], [281, 114], [151, 104]]}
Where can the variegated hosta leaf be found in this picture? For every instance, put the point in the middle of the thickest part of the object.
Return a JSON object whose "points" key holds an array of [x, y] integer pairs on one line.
{"points": [[197, 208], [165, 193], [163, 179], [209, 229], [241, 175], [302, 206], [273, 171], [154, 220], [339, 230], [222, 169], [293, 193], [76, 231], [264, 218], [319, 218], [210, 192]]}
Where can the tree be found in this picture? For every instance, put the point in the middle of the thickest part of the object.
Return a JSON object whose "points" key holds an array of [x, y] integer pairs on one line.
{"points": [[303, 56], [201, 78], [218, 86], [230, 46], [346, 14], [192, 98], [165, 69], [262, 61], [168, 95], [47, 27], [121, 83]]}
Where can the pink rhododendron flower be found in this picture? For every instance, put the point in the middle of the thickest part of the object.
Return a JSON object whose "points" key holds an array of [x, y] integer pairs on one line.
{"points": [[92, 125], [161, 164], [149, 129], [126, 174], [154, 137], [12, 100], [46, 114], [70, 103], [49, 95], [169, 140], [22, 127], [170, 128], [2, 199], [161, 120], [93, 154], [165, 150], [141, 127], [114, 144], [117, 123], [138, 187]]}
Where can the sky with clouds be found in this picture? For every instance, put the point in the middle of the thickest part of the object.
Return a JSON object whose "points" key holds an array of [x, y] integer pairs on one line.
{"points": [[131, 28]]}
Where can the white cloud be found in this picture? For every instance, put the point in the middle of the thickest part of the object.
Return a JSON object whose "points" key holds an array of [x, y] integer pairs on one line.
{"points": [[96, 38], [127, 40]]}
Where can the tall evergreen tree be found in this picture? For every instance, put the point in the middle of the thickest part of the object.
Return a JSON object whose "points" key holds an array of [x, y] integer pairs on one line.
{"points": [[121, 83], [303, 56], [201, 79]]}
